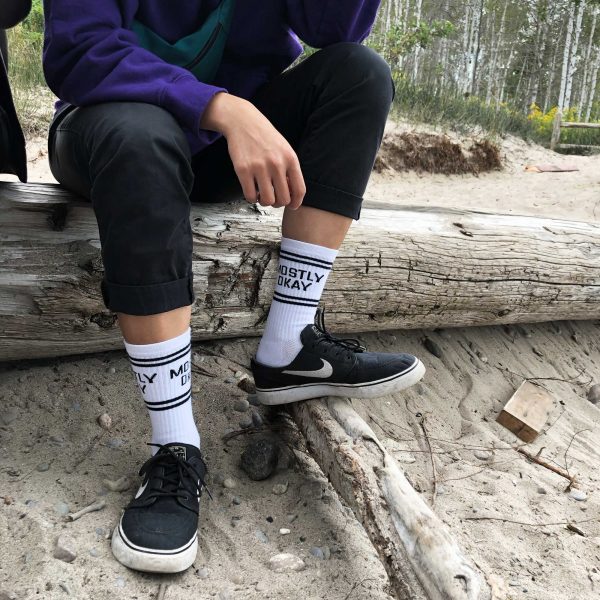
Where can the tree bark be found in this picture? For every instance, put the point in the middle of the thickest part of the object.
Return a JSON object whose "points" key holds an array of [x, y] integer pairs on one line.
{"points": [[421, 558], [400, 267]]}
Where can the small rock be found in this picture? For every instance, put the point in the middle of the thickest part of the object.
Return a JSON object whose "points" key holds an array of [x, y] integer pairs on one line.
{"points": [[229, 380], [225, 595], [94, 552], [593, 394], [7, 595], [111, 370], [284, 531], [64, 549], [105, 421], [541, 490], [9, 415], [280, 488], [241, 404], [433, 347], [202, 573], [253, 400], [8, 500], [101, 532], [261, 536], [317, 553], [62, 508], [291, 518], [578, 494], [42, 467], [259, 459], [246, 422], [115, 443], [257, 419], [238, 374], [236, 500], [229, 483], [120, 582], [237, 579], [283, 563], [246, 384], [119, 485], [483, 454]]}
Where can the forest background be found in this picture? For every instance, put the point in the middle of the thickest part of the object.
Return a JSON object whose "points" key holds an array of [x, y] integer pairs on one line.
{"points": [[491, 67]]}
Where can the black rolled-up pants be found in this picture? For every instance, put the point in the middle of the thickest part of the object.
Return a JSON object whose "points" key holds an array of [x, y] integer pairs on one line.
{"points": [[132, 160]]}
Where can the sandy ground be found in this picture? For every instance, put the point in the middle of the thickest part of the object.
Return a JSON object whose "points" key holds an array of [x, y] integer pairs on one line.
{"points": [[54, 456]]}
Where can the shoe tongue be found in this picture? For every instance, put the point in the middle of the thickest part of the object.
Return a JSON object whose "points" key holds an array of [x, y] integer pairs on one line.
{"points": [[178, 450]]}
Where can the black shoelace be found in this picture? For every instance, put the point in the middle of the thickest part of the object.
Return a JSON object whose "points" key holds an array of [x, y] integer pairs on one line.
{"points": [[175, 469], [350, 344]]}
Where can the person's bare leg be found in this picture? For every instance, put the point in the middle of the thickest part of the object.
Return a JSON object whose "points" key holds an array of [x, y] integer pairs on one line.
{"points": [[315, 226], [152, 329]]}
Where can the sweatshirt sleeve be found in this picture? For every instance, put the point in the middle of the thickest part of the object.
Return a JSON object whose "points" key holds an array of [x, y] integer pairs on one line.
{"points": [[320, 23], [90, 57]]}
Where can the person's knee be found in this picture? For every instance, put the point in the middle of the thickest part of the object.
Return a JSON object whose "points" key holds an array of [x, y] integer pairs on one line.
{"points": [[356, 63]]}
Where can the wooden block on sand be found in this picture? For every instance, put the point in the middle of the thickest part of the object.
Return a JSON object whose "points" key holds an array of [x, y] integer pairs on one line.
{"points": [[527, 411]]}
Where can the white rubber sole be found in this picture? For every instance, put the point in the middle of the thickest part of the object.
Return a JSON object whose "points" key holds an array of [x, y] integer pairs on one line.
{"points": [[152, 561], [373, 389]]}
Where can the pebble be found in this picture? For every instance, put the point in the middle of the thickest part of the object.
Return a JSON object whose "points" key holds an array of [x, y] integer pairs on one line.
{"points": [[247, 385], [318, 552], [578, 494], [7, 595], [261, 536], [42, 467], [541, 490], [483, 454], [9, 415], [291, 518], [62, 508], [593, 394], [284, 531], [229, 483], [64, 549], [259, 459], [237, 579], [236, 500], [202, 573], [105, 421], [433, 347], [111, 370], [115, 443], [119, 485], [257, 419], [94, 552], [230, 380], [225, 595], [101, 532], [284, 563], [246, 422], [280, 488], [241, 405], [59, 440], [253, 400], [120, 582]]}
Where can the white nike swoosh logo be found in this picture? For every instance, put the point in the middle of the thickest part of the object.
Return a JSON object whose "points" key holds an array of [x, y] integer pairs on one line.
{"points": [[141, 490], [325, 371]]}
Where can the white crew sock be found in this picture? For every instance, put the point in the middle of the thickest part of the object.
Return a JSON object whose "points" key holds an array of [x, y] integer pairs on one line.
{"points": [[302, 274], [163, 372]]}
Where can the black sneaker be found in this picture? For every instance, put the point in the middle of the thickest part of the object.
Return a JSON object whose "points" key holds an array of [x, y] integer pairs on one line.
{"points": [[158, 531], [329, 366]]}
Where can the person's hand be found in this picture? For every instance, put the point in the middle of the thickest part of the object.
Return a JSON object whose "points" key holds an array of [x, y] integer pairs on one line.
{"points": [[266, 165]]}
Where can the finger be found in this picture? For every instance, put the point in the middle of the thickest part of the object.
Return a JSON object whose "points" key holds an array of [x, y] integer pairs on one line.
{"points": [[248, 186], [265, 187], [282, 190], [296, 185]]}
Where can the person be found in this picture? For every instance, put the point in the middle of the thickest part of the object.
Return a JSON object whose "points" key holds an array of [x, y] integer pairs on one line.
{"points": [[163, 103], [13, 159]]}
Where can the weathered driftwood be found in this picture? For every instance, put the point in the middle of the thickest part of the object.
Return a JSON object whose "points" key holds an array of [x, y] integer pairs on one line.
{"points": [[400, 267], [420, 556]]}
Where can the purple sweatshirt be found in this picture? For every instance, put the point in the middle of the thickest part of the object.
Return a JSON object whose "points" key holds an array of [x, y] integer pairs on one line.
{"points": [[91, 56]]}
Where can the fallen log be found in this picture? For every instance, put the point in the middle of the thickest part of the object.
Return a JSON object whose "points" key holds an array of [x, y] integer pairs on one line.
{"points": [[401, 267], [420, 556]]}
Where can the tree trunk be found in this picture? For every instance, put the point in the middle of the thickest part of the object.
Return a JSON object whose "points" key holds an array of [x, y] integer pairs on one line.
{"points": [[401, 267], [417, 549], [574, 50], [566, 57]]}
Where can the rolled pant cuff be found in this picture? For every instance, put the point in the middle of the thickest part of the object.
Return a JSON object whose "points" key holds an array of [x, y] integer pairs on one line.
{"points": [[332, 200], [142, 300]]}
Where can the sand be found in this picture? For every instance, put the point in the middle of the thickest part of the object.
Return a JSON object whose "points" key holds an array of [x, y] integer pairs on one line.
{"points": [[54, 456]]}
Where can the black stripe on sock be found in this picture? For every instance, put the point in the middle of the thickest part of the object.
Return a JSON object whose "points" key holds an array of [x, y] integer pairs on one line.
{"points": [[306, 262], [275, 299], [149, 404], [326, 263], [160, 361], [170, 407], [287, 296]]}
